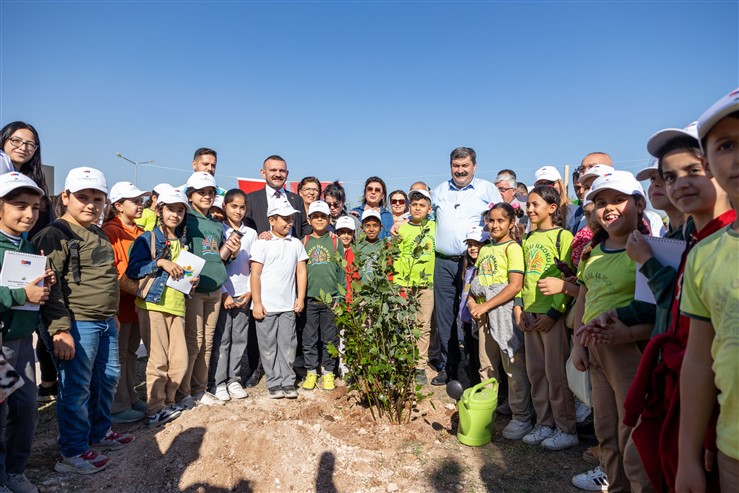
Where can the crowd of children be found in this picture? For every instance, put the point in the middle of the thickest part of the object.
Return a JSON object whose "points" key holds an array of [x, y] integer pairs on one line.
{"points": [[663, 374]]}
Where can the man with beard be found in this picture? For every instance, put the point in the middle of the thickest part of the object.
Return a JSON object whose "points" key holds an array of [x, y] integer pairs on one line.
{"points": [[459, 204]]}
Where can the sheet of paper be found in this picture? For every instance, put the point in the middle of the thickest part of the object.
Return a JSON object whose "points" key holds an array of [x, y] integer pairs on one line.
{"points": [[192, 265], [19, 269], [668, 252]]}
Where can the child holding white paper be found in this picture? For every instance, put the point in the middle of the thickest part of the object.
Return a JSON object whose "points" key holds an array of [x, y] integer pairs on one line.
{"points": [[19, 208], [162, 312]]}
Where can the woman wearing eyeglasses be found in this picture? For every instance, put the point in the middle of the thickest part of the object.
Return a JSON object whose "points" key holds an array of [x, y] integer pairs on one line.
{"points": [[375, 197], [309, 190], [399, 206]]}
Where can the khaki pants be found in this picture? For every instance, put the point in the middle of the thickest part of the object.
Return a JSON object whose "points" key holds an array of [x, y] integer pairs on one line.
{"points": [[201, 318], [164, 339], [634, 469], [546, 353], [128, 342], [728, 472], [612, 369], [423, 323], [519, 388]]}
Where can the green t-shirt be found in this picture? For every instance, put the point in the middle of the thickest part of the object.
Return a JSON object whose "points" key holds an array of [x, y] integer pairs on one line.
{"points": [[172, 301], [496, 260], [414, 266], [148, 220], [711, 293], [610, 276], [324, 266], [539, 252]]}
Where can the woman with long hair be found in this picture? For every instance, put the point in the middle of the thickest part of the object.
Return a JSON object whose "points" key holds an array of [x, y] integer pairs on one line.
{"points": [[375, 197]]}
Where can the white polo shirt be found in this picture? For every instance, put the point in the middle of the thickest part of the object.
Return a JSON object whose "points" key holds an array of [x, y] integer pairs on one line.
{"points": [[239, 269], [279, 258]]}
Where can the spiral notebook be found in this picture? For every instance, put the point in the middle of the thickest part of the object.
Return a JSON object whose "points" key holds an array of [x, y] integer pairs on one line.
{"points": [[19, 269], [668, 252]]}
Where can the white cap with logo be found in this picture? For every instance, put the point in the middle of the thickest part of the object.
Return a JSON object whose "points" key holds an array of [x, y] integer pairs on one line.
{"points": [[200, 180], [318, 206], [547, 173], [162, 187], [345, 222], [596, 171], [124, 190], [620, 181], [721, 108], [281, 208], [371, 213], [660, 139], [422, 191], [477, 233], [83, 177], [173, 196], [14, 180]]}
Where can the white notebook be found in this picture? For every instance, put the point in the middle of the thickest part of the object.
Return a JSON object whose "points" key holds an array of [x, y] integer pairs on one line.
{"points": [[668, 252], [19, 269], [192, 265]]}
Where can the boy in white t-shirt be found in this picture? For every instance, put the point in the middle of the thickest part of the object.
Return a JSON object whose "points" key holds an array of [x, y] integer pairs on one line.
{"points": [[275, 265]]}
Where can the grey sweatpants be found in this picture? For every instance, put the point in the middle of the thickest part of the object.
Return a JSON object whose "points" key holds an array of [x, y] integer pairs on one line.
{"points": [[277, 345], [229, 344], [19, 413]]}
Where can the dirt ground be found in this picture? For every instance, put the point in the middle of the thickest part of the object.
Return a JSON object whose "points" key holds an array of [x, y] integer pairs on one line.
{"points": [[323, 441]]}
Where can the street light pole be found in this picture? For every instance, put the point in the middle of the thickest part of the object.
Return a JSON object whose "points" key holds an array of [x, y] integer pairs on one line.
{"points": [[135, 167]]}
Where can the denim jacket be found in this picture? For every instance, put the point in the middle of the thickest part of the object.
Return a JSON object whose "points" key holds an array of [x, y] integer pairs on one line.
{"points": [[140, 263]]}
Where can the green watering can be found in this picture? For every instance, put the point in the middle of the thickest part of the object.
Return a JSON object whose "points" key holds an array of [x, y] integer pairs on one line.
{"points": [[477, 413]]}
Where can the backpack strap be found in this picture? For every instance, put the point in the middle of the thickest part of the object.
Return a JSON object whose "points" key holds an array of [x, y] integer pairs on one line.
{"points": [[73, 262], [558, 244]]}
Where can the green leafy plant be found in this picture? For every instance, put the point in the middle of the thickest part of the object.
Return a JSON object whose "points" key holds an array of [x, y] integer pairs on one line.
{"points": [[380, 336]]}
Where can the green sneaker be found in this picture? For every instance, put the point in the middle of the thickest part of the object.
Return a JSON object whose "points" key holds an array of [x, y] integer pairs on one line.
{"points": [[310, 380], [328, 381]]}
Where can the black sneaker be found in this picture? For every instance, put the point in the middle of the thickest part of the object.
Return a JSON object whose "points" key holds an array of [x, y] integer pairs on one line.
{"points": [[276, 393], [254, 378], [439, 379], [421, 377], [48, 394], [290, 392]]}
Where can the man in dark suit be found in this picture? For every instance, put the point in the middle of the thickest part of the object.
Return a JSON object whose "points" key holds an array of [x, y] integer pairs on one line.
{"points": [[274, 171]]}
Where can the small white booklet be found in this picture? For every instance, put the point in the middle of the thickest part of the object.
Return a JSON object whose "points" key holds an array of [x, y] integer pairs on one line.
{"points": [[19, 269], [192, 265], [668, 252]]}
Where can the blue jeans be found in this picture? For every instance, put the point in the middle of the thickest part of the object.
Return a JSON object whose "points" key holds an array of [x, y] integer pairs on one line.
{"points": [[447, 290], [87, 385]]}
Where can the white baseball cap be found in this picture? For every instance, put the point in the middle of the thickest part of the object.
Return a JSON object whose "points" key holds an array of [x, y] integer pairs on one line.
{"points": [[14, 180], [371, 213], [422, 191], [200, 180], [621, 181], [159, 189], [345, 222], [84, 177], [721, 108], [477, 233], [218, 202], [548, 173], [124, 190], [596, 171], [659, 140], [318, 206], [173, 196], [649, 171], [281, 208]]}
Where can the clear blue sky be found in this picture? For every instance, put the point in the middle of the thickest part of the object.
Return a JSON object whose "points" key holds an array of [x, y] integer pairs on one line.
{"points": [[344, 90]]}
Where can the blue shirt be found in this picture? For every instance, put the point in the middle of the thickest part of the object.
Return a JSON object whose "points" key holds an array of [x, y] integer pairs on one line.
{"points": [[457, 210]]}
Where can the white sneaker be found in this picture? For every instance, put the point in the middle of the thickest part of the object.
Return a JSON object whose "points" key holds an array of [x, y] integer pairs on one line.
{"points": [[593, 480], [582, 411], [516, 430], [538, 434], [222, 393], [19, 483], [237, 391], [208, 399], [560, 440]]}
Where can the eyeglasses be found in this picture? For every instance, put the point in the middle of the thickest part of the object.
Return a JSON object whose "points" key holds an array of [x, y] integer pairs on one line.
{"points": [[374, 189], [334, 205], [18, 142], [504, 189], [397, 201], [309, 190]]}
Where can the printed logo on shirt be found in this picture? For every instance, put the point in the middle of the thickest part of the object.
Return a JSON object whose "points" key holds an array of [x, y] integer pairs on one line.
{"points": [[594, 280], [210, 245], [318, 255], [488, 266], [538, 258]]}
